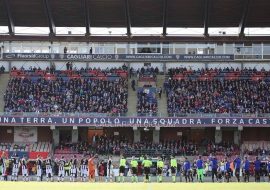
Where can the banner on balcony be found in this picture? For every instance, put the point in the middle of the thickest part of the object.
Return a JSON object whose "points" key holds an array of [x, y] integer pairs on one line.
{"points": [[117, 57], [25, 134], [34, 155], [30, 134]]}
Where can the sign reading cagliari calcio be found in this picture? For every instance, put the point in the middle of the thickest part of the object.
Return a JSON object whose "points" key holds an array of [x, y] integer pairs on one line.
{"points": [[133, 121], [116, 57]]}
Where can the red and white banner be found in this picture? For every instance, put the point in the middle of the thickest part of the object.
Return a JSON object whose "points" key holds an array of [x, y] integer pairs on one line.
{"points": [[25, 134], [34, 155]]}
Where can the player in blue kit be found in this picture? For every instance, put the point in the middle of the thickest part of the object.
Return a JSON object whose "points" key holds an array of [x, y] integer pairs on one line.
{"points": [[199, 165], [214, 165], [268, 169], [237, 166], [187, 170], [257, 167], [246, 168], [228, 170]]}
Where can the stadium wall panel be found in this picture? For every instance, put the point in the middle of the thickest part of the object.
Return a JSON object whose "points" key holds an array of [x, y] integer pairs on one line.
{"points": [[7, 134], [44, 134], [255, 134], [104, 65], [83, 134], [193, 66], [126, 132]]}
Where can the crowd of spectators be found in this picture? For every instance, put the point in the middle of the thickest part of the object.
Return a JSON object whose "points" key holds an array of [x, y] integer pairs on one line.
{"points": [[108, 144], [164, 148], [245, 71], [217, 96], [73, 95], [106, 72], [76, 148], [102, 145], [257, 151], [71, 67], [174, 71], [120, 145], [116, 145], [147, 101], [146, 93], [256, 148], [223, 149], [144, 71]]}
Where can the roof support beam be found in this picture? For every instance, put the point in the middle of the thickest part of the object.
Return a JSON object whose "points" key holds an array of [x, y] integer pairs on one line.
{"points": [[165, 7], [127, 17], [87, 18], [144, 39], [206, 18], [10, 19], [243, 21], [50, 18]]}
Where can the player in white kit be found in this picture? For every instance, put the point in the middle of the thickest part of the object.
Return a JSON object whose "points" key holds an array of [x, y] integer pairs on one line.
{"points": [[39, 168], [4, 167], [73, 170], [84, 169], [49, 174], [222, 169], [15, 168], [24, 169], [61, 169]]}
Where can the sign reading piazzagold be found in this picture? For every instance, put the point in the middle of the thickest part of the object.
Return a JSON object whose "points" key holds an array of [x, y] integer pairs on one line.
{"points": [[116, 57], [133, 121]]}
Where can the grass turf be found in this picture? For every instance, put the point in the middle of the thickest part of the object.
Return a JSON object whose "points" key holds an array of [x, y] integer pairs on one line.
{"points": [[131, 186]]}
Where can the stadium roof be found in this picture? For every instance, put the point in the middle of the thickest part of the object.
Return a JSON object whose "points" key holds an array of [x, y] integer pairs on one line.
{"points": [[135, 13]]}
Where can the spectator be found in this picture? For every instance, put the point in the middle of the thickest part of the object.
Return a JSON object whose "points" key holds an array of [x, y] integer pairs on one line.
{"points": [[2, 69], [133, 83], [131, 72], [160, 92], [68, 65]]}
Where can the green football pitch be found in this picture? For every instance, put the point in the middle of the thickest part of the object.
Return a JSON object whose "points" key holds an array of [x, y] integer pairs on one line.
{"points": [[130, 186]]}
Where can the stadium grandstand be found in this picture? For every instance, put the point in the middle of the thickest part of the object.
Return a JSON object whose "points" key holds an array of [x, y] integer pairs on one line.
{"points": [[115, 89]]}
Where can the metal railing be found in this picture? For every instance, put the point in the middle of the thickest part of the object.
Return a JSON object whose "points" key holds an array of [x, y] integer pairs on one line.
{"points": [[94, 114], [62, 114]]}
